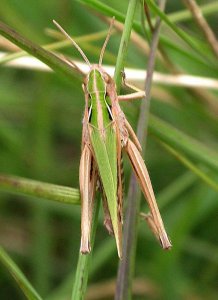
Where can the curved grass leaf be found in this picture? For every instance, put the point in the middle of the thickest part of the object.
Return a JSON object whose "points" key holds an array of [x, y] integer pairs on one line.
{"points": [[182, 142], [20, 278], [175, 189], [109, 12], [50, 59], [184, 15], [192, 167], [56, 45], [182, 34]]}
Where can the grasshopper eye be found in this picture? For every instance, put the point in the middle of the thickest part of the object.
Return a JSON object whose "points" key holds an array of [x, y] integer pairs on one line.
{"points": [[110, 112], [90, 113]]}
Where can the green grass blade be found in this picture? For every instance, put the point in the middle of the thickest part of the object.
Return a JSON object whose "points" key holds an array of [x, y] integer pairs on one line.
{"points": [[182, 34], [103, 8], [101, 256], [192, 167], [181, 15], [175, 189], [82, 271], [109, 11], [21, 280], [125, 39], [56, 45], [11, 139], [184, 15], [50, 59], [39, 189], [182, 142]]}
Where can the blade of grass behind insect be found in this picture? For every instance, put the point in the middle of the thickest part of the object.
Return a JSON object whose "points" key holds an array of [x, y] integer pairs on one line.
{"points": [[184, 15], [20, 278], [42, 154], [83, 265], [203, 249], [122, 53], [56, 45], [10, 138], [181, 141], [175, 189], [109, 11], [181, 15], [54, 62], [14, 17], [182, 34], [46, 191], [105, 251], [202, 175], [127, 265], [190, 211]]}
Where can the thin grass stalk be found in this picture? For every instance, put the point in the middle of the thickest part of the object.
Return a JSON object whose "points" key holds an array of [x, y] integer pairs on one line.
{"points": [[202, 24], [185, 15], [183, 142], [56, 45], [124, 43], [189, 165], [40, 215], [22, 281], [38, 189], [176, 188], [82, 271], [127, 265], [50, 59], [182, 34], [101, 256], [197, 56]]}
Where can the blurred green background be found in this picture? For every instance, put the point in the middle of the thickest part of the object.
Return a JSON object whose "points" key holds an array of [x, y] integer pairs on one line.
{"points": [[40, 136]]}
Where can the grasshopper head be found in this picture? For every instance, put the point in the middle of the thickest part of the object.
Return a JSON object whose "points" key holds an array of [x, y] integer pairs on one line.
{"points": [[97, 80], [97, 98]]}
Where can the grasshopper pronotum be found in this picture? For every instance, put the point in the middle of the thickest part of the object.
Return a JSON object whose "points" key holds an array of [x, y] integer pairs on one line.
{"points": [[106, 134]]}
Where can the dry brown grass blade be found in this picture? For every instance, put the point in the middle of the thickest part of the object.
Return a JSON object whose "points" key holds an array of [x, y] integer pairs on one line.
{"points": [[143, 178], [202, 24]]}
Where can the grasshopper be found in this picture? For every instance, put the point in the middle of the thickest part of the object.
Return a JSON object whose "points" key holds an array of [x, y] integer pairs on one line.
{"points": [[106, 134]]}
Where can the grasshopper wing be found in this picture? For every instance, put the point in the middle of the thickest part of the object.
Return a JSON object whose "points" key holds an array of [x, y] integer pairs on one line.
{"points": [[105, 153]]}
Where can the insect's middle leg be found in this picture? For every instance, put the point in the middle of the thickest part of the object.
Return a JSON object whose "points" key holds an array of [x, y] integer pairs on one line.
{"points": [[138, 94]]}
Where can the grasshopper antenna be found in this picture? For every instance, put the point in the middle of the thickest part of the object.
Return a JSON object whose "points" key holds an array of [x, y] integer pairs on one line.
{"points": [[106, 41], [73, 42]]}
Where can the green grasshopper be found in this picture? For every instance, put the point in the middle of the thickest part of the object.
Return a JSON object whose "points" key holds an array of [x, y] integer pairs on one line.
{"points": [[106, 134]]}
